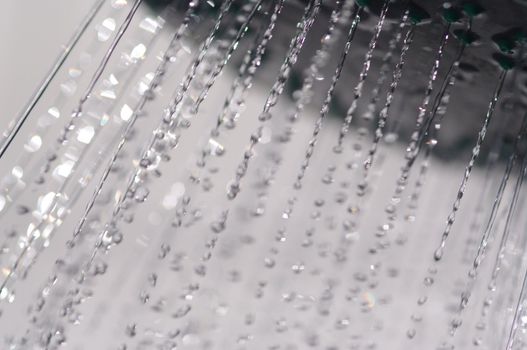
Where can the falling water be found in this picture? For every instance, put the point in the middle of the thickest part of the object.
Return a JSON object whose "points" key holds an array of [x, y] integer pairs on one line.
{"points": [[496, 268], [420, 128], [21, 260], [432, 127], [341, 196], [428, 281], [476, 222], [285, 70], [251, 63], [133, 185], [219, 225], [497, 201], [318, 61], [413, 147], [304, 94], [184, 86], [516, 321], [156, 81], [77, 112], [286, 214], [383, 117], [480, 254], [219, 68], [326, 104], [10, 134], [160, 72], [71, 124], [357, 92], [202, 269], [438, 254], [371, 109]]}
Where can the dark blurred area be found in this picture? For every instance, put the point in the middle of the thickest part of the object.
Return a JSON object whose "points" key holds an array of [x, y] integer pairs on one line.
{"points": [[496, 25]]}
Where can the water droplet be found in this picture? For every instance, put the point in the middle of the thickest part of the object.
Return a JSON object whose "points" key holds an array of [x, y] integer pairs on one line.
{"points": [[106, 29]]}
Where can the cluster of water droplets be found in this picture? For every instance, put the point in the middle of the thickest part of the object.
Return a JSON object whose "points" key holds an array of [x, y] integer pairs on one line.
{"points": [[160, 257]]}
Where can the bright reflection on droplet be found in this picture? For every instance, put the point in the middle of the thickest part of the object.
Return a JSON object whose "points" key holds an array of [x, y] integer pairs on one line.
{"points": [[149, 24], [64, 169], [74, 72], [54, 112], [33, 144], [106, 29], [17, 172], [266, 135], [110, 94], [216, 148], [117, 4], [126, 112], [45, 202], [171, 199], [113, 80], [85, 134], [144, 84], [2, 202], [69, 87], [138, 52], [31, 231], [104, 119]]}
